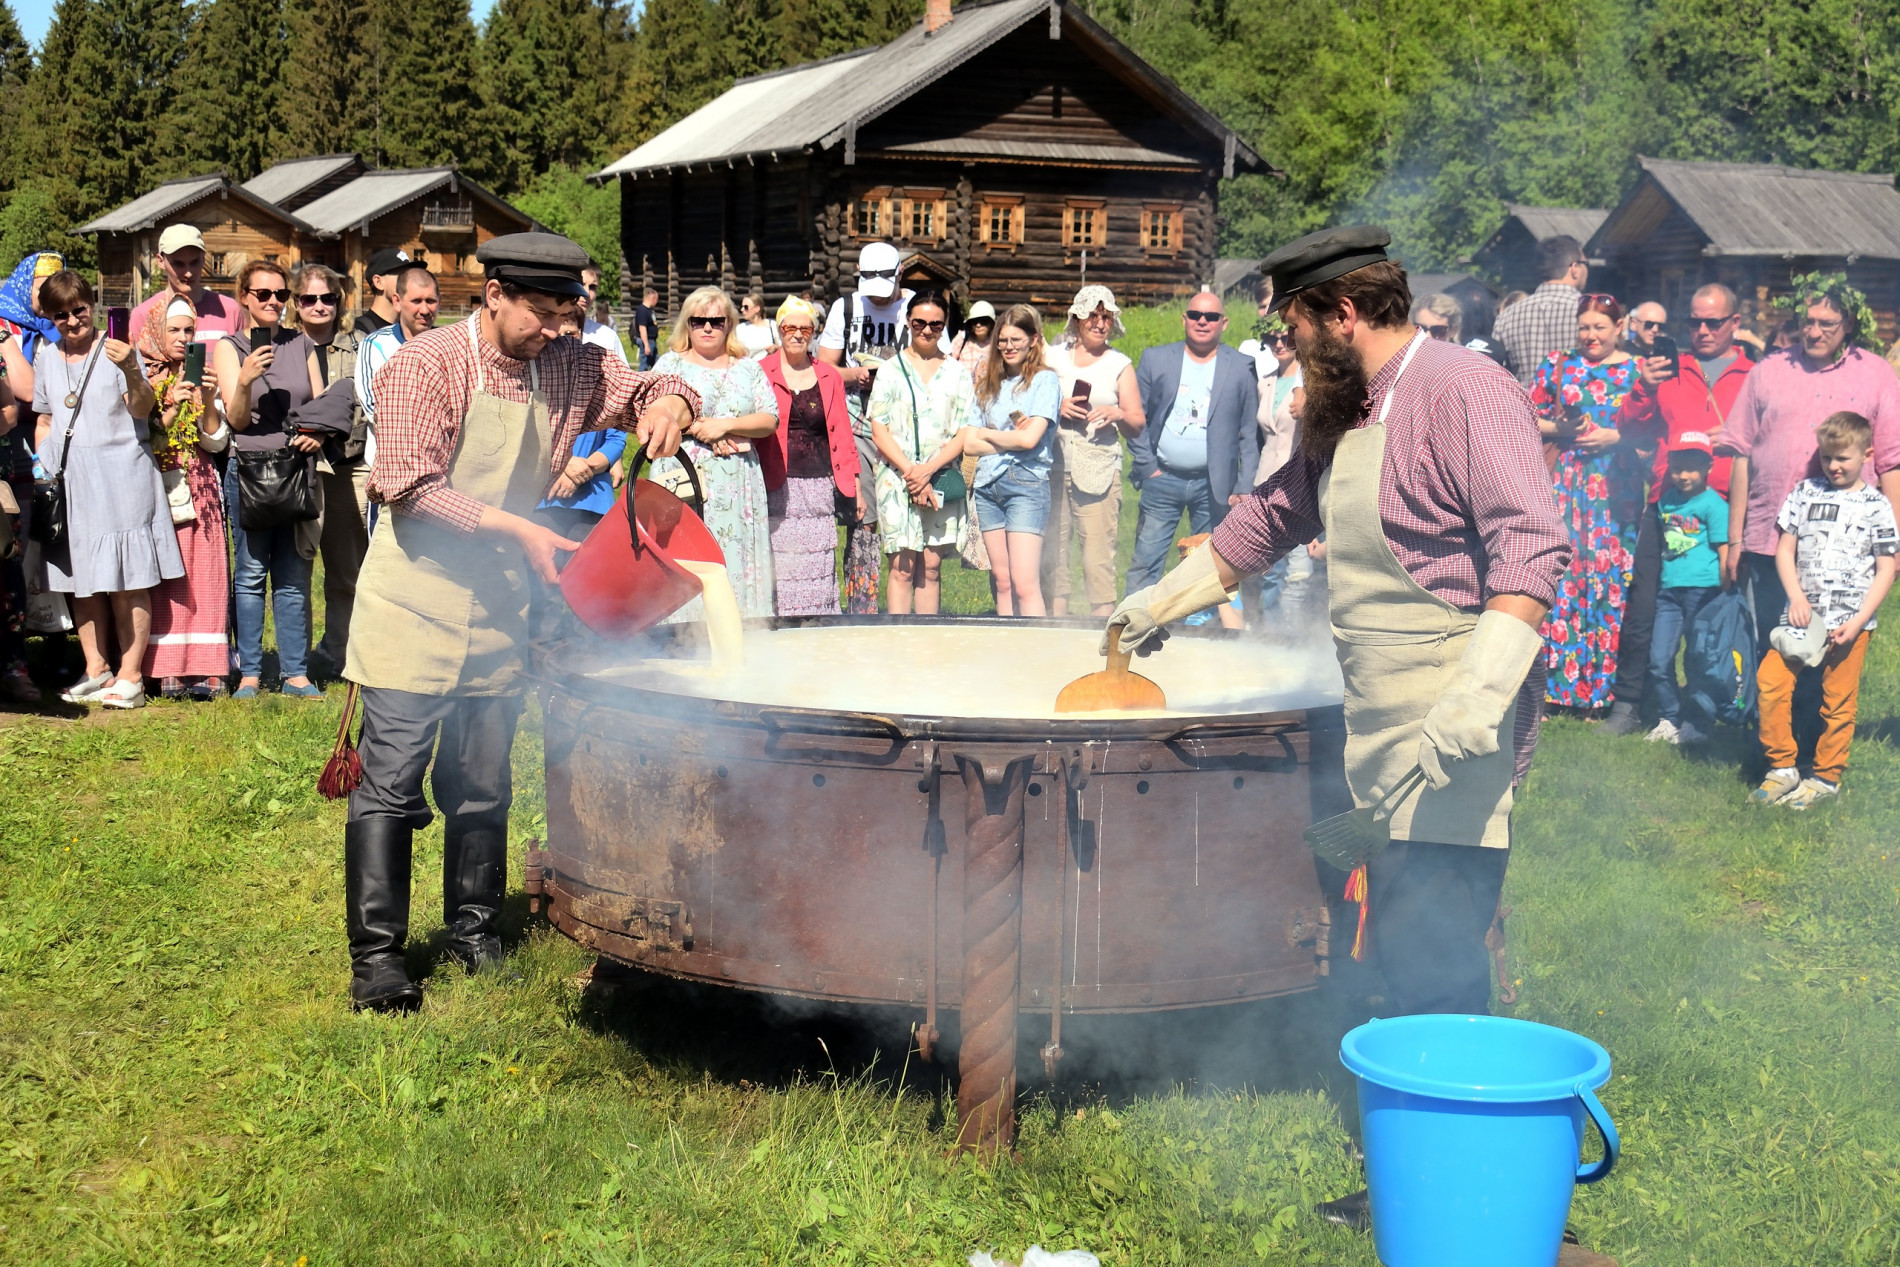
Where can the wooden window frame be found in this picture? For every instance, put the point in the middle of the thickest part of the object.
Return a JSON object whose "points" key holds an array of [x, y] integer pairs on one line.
{"points": [[887, 209], [1098, 223], [1172, 211], [1010, 205], [938, 202]]}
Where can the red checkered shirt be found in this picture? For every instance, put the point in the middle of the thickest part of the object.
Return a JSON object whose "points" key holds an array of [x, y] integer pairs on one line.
{"points": [[422, 396], [1463, 494]]}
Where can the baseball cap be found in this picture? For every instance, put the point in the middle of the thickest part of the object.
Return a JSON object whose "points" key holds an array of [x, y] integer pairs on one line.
{"points": [[877, 257], [1693, 442], [391, 260], [177, 237]]}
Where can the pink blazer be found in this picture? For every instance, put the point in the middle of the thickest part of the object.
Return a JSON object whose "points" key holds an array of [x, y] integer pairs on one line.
{"points": [[844, 449]]}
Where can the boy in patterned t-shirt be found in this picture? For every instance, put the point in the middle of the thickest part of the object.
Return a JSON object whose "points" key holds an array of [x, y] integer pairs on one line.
{"points": [[1836, 561]]}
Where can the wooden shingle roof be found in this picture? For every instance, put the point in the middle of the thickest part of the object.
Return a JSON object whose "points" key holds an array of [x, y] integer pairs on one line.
{"points": [[1760, 209]]}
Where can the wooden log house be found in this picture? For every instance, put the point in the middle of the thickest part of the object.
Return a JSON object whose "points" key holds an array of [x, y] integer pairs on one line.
{"points": [[1010, 149], [1752, 227], [1508, 257], [237, 226]]}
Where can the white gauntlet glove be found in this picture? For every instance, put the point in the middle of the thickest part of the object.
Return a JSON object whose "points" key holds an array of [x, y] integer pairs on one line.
{"points": [[1143, 615], [1464, 722]]}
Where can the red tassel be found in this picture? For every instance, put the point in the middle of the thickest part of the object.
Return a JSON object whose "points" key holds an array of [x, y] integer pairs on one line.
{"points": [[344, 770], [1358, 890]]}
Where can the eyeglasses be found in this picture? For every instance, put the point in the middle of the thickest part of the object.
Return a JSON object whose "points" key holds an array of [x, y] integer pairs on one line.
{"points": [[877, 272], [1011, 345], [926, 327], [327, 299], [1195, 314], [706, 323], [795, 332], [75, 314], [1712, 323], [263, 296], [1439, 332], [1825, 327]]}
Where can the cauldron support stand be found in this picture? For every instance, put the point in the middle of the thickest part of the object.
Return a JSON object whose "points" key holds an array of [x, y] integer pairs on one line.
{"points": [[994, 788]]}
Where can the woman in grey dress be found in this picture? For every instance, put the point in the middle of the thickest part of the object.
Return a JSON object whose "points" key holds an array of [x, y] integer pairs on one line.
{"points": [[119, 539]]}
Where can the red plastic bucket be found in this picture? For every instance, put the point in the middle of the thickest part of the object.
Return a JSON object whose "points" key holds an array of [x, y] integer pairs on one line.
{"points": [[624, 578]]}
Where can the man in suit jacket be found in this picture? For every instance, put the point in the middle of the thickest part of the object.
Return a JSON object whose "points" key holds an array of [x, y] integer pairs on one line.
{"points": [[1201, 446]]}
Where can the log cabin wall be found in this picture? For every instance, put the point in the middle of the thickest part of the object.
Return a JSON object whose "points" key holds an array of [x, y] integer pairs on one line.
{"points": [[441, 228], [235, 232]]}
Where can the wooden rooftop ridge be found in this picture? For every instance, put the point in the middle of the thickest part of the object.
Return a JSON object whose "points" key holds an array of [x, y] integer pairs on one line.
{"points": [[821, 105], [1760, 210]]}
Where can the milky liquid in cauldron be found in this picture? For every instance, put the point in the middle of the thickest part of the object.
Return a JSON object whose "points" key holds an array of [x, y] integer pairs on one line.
{"points": [[986, 671]]}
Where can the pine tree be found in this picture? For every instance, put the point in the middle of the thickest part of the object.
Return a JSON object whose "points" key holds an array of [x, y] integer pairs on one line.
{"points": [[427, 109], [231, 105], [330, 78], [754, 41], [677, 66], [551, 70], [811, 29]]}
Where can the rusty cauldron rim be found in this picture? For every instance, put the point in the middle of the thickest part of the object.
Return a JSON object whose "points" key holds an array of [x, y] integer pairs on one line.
{"points": [[569, 668]]}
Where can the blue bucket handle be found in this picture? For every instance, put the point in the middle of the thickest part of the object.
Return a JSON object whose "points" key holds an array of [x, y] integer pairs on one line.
{"points": [[1590, 1172]]}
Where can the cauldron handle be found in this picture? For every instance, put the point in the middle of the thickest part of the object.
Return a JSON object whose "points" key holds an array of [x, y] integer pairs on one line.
{"points": [[641, 459]]}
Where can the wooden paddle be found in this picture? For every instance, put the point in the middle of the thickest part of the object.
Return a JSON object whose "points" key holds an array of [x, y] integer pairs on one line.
{"points": [[1113, 689]]}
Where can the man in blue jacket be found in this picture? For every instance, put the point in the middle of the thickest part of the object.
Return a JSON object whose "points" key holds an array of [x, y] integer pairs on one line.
{"points": [[1201, 446]]}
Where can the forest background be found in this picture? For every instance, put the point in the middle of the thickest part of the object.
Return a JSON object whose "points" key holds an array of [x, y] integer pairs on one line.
{"points": [[1426, 115]]}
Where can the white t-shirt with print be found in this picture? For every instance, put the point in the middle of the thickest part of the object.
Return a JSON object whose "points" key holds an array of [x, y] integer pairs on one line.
{"points": [[1838, 534]]}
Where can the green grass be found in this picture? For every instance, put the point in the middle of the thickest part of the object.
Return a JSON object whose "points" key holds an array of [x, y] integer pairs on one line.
{"points": [[183, 1081]]}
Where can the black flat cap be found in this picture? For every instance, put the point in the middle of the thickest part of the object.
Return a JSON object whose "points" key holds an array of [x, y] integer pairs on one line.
{"points": [[391, 260], [546, 262], [1322, 256]]}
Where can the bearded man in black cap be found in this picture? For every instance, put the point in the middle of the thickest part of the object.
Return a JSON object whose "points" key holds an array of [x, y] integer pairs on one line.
{"points": [[474, 422], [1419, 460]]}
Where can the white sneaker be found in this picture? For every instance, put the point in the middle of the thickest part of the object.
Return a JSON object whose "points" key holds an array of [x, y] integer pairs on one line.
{"points": [[1778, 784], [1687, 733], [86, 689], [1665, 732], [123, 695], [1810, 791]]}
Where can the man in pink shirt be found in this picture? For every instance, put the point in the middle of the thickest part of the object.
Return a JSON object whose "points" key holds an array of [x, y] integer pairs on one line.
{"points": [[181, 257], [1770, 430]]}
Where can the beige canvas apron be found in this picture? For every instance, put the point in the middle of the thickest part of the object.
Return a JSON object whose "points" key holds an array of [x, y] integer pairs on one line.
{"points": [[442, 612], [1399, 645]]}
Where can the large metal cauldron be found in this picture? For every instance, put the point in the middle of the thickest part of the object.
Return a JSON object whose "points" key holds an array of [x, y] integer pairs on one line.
{"points": [[996, 866]]}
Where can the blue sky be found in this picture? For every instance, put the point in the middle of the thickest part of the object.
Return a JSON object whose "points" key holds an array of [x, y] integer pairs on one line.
{"points": [[36, 15]]}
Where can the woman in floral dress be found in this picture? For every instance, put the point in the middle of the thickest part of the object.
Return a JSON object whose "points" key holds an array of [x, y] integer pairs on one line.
{"points": [[1598, 482], [738, 416], [920, 401]]}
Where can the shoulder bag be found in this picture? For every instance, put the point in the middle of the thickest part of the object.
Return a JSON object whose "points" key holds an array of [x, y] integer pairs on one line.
{"points": [[48, 522], [947, 483], [276, 488]]}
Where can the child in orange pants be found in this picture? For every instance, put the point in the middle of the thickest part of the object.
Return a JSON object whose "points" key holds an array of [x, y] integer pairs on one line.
{"points": [[1836, 562]]}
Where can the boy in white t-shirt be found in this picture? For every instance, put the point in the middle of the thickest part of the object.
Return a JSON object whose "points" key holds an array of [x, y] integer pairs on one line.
{"points": [[1836, 562]]}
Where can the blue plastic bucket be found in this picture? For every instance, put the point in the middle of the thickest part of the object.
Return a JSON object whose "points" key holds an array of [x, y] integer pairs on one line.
{"points": [[1472, 1128]]}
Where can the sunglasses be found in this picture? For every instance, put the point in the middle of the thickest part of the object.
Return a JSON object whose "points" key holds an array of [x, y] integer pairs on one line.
{"points": [[877, 272], [1710, 323], [706, 323], [73, 314], [1282, 338], [1195, 314], [1649, 325], [796, 332], [927, 327], [327, 299], [263, 296]]}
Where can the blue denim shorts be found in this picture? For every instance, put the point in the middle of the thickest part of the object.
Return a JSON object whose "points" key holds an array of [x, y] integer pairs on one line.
{"points": [[1016, 501]]}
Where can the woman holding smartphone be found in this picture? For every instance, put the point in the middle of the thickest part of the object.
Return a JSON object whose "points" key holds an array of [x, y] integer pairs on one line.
{"points": [[263, 374], [190, 648], [1017, 398]]}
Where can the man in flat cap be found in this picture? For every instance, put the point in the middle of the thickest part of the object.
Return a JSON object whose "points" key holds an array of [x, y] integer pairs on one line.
{"points": [[474, 421], [1419, 461]]}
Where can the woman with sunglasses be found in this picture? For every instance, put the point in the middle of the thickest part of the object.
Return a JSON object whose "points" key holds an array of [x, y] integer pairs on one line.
{"points": [[1018, 399], [920, 401], [119, 542], [263, 373], [1100, 404], [819, 474], [738, 418], [1598, 482]]}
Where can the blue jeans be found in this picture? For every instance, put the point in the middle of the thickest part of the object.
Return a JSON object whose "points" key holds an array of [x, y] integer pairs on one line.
{"points": [[1675, 615], [269, 556], [1163, 497]]}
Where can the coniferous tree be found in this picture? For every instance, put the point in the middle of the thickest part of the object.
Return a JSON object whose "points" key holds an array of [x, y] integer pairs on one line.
{"points": [[551, 70], [230, 104], [678, 65], [330, 79], [427, 108], [811, 29]]}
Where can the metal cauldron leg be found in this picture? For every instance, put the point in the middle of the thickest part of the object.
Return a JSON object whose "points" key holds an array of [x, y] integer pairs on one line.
{"points": [[992, 950]]}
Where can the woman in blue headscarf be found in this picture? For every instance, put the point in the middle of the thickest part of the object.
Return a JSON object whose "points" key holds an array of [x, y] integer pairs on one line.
{"points": [[19, 309]]}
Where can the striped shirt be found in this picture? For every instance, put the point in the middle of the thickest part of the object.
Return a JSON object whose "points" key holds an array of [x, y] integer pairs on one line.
{"points": [[1542, 322], [422, 395]]}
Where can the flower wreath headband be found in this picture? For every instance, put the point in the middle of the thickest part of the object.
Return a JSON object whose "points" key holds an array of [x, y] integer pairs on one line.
{"points": [[1833, 287]]}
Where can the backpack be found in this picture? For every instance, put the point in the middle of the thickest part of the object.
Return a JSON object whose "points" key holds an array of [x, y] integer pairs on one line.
{"points": [[1721, 659]]}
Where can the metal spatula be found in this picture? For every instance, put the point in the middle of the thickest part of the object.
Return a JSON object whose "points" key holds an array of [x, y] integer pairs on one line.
{"points": [[1348, 839]]}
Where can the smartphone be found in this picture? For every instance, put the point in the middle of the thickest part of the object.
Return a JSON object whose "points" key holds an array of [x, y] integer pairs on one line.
{"points": [[261, 337], [195, 363], [119, 323], [1666, 346], [1078, 394]]}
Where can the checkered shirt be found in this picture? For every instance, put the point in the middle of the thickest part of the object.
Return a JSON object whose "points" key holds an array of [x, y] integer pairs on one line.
{"points": [[1542, 322], [422, 395]]}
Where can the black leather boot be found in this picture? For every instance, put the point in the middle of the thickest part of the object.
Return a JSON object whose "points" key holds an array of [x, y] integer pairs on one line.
{"points": [[1353, 1211], [376, 908], [474, 870]]}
